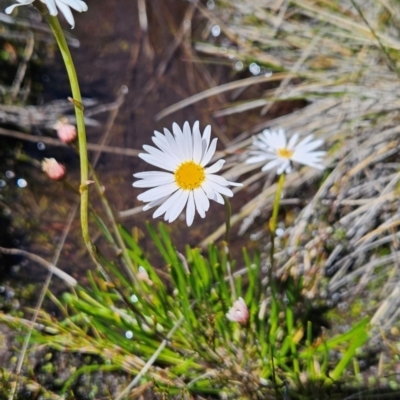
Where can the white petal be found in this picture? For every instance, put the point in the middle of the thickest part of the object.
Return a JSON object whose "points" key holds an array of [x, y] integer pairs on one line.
{"points": [[205, 141], [209, 153], [284, 167], [190, 209], [157, 162], [202, 202], [151, 174], [77, 5], [166, 157], [170, 138], [209, 191], [10, 9], [197, 146], [154, 181], [293, 141], [51, 5], [221, 189], [215, 167], [306, 140], [260, 158], [217, 179], [272, 164], [281, 143], [66, 11], [309, 146], [218, 198], [187, 135], [157, 192], [168, 204], [230, 183], [180, 141], [177, 208], [155, 203]]}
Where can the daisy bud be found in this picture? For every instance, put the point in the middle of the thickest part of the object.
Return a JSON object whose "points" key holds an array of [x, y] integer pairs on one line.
{"points": [[238, 312], [53, 169], [65, 131]]}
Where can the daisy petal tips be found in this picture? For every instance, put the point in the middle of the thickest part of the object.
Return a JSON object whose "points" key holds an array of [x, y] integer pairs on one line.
{"points": [[273, 147], [186, 180], [63, 5]]}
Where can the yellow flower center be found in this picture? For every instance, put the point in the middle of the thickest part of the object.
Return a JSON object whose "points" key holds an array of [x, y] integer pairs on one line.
{"points": [[189, 175], [285, 153]]}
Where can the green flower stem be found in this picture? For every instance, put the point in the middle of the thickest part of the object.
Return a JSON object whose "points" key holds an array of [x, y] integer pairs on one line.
{"points": [[272, 228], [77, 101]]}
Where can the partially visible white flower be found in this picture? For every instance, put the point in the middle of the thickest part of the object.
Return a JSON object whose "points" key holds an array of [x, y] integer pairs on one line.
{"points": [[238, 312], [188, 182], [272, 146], [52, 5]]}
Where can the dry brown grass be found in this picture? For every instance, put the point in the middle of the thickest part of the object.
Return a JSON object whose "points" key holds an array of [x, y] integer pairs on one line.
{"points": [[346, 70]]}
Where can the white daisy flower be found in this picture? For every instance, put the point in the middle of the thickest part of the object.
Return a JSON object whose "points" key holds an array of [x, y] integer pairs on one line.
{"points": [[188, 182], [52, 5], [272, 146]]}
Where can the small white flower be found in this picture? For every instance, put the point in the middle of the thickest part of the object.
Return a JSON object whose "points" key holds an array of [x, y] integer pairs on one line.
{"points": [[184, 155], [272, 146], [52, 5]]}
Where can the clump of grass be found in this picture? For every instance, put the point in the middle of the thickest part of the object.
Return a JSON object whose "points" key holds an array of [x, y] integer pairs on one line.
{"points": [[174, 333]]}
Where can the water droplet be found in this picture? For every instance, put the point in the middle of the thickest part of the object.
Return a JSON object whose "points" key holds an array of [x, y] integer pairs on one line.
{"points": [[22, 183], [254, 68], [10, 174], [238, 65], [280, 232], [2, 183], [129, 334], [41, 146], [268, 73], [124, 89], [216, 30], [211, 5], [134, 298]]}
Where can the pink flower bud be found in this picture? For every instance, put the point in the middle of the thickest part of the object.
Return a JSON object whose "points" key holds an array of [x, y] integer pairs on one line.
{"points": [[65, 131], [238, 312], [53, 169]]}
